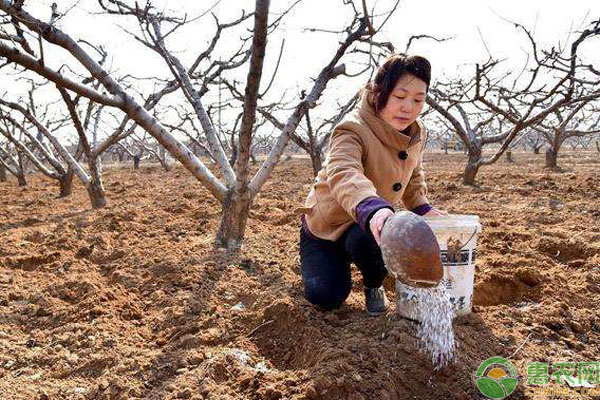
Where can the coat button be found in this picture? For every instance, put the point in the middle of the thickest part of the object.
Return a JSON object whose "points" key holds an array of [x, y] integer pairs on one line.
{"points": [[403, 155], [397, 186]]}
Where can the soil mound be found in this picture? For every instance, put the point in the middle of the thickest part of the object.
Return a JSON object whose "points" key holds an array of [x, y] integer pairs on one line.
{"points": [[132, 302]]}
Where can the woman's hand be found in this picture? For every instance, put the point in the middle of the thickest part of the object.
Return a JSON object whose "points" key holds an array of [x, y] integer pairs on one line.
{"points": [[377, 221], [434, 212]]}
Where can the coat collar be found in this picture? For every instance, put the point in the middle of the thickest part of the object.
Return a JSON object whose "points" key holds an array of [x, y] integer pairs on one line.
{"points": [[384, 131]]}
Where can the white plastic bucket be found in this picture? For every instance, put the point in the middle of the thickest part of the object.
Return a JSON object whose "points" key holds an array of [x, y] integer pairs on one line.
{"points": [[457, 237]]}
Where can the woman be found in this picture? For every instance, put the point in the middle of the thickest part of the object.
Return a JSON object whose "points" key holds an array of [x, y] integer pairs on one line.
{"points": [[374, 161]]}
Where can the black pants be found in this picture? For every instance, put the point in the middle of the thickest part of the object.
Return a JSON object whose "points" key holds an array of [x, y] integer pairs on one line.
{"points": [[326, 266]]}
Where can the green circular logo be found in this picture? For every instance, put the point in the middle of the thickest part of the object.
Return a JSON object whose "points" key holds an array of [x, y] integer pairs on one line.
{"points": [[496, 378]]}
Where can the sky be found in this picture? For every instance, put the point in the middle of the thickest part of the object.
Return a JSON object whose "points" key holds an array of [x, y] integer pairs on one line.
{"points": [[476, 28]]}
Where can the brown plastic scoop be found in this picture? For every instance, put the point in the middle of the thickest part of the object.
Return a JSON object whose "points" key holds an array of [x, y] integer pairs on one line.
{"points": [[410, 250]]}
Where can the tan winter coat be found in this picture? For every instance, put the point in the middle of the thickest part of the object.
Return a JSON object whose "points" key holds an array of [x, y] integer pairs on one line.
{"points": [[364, 160]]}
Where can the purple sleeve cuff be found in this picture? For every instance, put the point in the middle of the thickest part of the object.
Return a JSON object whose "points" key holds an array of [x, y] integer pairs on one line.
{"points": [[422, 209], [367, 207]]}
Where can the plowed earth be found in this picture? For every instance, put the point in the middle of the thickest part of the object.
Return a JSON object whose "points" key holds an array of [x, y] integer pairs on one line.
{"points": [[131, 301]]}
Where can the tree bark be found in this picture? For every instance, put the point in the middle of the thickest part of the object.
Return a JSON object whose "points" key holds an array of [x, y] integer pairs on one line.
{"points": [[317, 164], [551, 157], [66, 183], [165, 164], [536, 150], [244, 143], [233, 155], [21, 179], [136, 161], [509, 157], [473, 164], [470, 173], [3, 177], [97, 195], [236, 209]]}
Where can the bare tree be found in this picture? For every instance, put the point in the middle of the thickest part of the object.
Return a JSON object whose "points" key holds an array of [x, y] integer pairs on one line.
{"points": [[582, 141], [313, 139], [3, 176], [566, 123], [534, 140], [522, 104], [95, 190], [13, 165], [93, 181], [155, 150], [187, 126], [55, 171], [237, 190], [475, 129], [131, 148]]}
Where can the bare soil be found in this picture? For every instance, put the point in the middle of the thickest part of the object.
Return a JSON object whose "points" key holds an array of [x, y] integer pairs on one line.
{"points": [[133, 302]]}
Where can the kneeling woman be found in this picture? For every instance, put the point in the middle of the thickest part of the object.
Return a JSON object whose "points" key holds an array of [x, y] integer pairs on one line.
{"points": [[374, 160]]}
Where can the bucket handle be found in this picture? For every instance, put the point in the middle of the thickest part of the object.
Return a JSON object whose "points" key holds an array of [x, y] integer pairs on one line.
{"points": [[468, 240], [454, 252]]}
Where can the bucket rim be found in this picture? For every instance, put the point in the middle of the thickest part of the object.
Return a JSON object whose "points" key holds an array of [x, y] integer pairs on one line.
{"points": [[456, 222]]}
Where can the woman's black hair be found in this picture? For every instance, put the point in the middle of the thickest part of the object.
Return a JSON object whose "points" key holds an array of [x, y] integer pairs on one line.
{"points": [[391, 71]]}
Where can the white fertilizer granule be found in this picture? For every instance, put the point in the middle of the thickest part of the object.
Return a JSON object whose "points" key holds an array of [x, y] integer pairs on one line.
{"points": [[435, 330]]}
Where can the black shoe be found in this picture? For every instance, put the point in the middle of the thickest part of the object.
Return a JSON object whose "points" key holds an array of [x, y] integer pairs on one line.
{"points": [[376, 301]]}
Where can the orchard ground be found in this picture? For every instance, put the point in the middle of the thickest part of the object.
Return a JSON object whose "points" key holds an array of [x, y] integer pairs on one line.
{"points": [[131, 301]]}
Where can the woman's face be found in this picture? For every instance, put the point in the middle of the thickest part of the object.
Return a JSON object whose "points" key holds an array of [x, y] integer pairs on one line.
{"points": [[405, 102]]}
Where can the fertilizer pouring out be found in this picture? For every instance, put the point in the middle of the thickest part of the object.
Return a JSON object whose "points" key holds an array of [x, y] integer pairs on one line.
{"points": [[410, 250], [432, 260], [411, 254]]}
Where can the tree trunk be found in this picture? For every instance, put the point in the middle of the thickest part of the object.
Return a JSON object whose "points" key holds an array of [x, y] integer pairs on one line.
{"points": [[165, 164], [23, 164], [233, 157], [96, 188], [163, 159], [3, 177], [470, 173], [472, 167], [536, 150], [66, 184], [317, 164], [97, 195], [236, 209], [551, 157], [21, 179], [509, 157], [598, 145], [136, 162]]}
